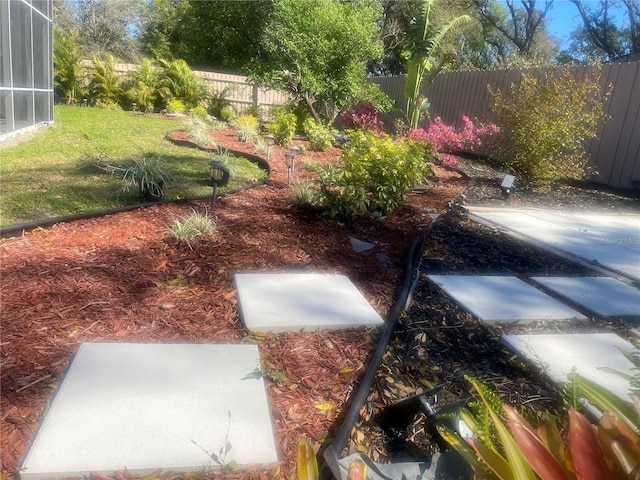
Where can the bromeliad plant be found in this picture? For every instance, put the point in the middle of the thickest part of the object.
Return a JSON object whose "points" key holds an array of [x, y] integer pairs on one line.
{"points": [[506, 446]]}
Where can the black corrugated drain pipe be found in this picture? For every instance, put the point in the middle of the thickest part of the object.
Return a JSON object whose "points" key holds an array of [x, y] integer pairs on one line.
{"points": [[409, 282]]}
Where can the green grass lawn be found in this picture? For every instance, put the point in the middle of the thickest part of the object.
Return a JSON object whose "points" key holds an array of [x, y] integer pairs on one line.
{"points": [[54, 173]]}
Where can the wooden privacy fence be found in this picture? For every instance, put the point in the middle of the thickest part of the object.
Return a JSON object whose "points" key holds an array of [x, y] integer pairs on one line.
{"points": [[615, 153], [241, 94]]}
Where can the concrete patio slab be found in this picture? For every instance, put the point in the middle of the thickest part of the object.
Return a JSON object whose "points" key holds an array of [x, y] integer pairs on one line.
{"points": [[498, 299], [603, 295], [611, 241], [588, 352], [276, 302], [145, 408]]}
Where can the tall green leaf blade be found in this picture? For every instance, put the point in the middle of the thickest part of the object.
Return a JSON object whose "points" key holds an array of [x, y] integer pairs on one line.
{"points": [[307, 462], [493, 460], [518, 463], [606, 400]]}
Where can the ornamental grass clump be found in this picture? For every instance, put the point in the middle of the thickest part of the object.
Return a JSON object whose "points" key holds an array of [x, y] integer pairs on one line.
{"points": [[546, 123], [246, 127], [150, 175], [186, 229], [197, 131]]}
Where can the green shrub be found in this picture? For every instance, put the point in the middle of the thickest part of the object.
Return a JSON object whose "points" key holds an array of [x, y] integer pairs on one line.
{"points": [[247, 127], [283, 128], [227, 114], [186, 229], [374, 174], [104, 87], [200, 113], [175, 106], [254, 111], [142, 86], [68, 74], [319, 136], [180, 82], [545, 123], [218, 101]]}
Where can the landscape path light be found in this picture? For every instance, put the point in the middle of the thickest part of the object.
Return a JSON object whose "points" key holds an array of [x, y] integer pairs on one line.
{"points": [[270, 140], [508, 185], [289, 158], [219, 178], [294, 151]]}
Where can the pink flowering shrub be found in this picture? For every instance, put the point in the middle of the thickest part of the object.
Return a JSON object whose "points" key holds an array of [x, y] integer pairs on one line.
{"points": [[362, 117], [446, 139]]}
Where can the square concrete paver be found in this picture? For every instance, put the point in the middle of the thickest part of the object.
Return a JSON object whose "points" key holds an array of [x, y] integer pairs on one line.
{"points": [[278, 302], [603, 295], [153, 407], [611, 241], [495, 299], [588, 352]]}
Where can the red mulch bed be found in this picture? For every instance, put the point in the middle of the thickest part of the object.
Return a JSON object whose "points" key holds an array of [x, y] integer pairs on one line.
{"points": [[123, 278]]}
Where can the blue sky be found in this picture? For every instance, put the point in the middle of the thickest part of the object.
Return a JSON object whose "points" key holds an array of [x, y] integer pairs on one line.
{"points": [[562, 19]]}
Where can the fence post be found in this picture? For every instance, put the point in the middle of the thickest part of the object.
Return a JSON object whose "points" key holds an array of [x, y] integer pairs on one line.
{"points": [[254, 95]]}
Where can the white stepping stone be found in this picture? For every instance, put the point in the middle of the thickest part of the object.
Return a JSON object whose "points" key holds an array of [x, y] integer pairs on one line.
{"points": [[557, 354], [498, 299], [603, 295], [273, 302], [141, 407], [610, 241]]}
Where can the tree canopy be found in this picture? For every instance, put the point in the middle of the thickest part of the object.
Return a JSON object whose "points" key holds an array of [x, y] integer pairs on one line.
{"points": [[104, 26], [318, 52], [211, 34], [610, 30]]}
